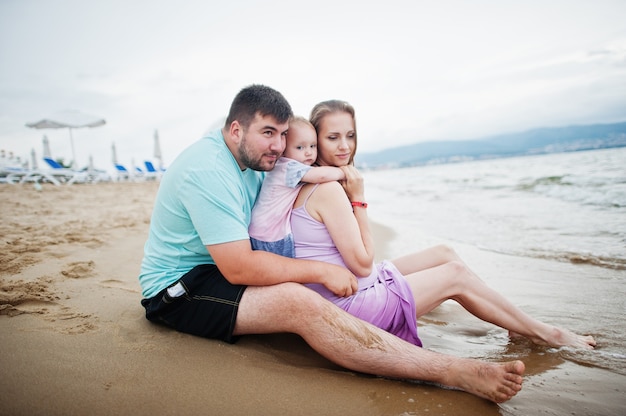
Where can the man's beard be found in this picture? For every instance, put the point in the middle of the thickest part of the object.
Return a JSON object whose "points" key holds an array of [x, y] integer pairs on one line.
{"points": [[247, 159]]}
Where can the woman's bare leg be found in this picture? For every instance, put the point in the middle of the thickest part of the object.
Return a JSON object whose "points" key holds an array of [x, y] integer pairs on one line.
{"points": [[425, 259], [359, 346], [438, 274]]}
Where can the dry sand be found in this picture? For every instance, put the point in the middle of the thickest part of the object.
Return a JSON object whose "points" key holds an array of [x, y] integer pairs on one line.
{"points": [[74, 340]]}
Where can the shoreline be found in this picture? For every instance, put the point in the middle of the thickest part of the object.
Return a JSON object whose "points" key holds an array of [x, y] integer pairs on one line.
{"points": [[75, 340]]}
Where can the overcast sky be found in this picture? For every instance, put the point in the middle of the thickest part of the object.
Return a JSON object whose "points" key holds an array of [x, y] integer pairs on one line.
{"points": [[414, 70]]}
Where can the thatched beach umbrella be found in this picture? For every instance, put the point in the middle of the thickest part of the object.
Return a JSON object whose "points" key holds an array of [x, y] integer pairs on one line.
{"points": [[114, 154], [33, 159], [69, 119], [157, 149], [46, 148]]}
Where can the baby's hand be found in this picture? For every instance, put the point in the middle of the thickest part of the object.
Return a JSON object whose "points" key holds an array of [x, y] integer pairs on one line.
{"points": [[353, 185]]}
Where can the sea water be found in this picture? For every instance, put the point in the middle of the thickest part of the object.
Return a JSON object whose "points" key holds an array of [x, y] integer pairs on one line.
{"points": [[565, 206], [567, 209]]}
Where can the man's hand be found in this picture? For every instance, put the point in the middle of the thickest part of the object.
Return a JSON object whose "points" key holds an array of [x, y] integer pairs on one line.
{"points": [[241, 265], [341, 282]]}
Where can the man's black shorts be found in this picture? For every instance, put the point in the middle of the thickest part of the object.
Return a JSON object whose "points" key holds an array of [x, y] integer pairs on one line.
{"points": [[201, 303]]}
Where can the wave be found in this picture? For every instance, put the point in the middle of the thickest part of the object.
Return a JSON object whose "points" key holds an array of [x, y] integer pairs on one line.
{"points": [[602, 192], [579, 258], [546, 180]]}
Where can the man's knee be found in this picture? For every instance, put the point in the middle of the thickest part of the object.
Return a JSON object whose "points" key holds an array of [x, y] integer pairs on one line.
{"points": [[282, 307], [300, 300]]}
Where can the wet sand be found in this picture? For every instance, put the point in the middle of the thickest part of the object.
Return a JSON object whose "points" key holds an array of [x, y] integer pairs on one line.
{"points": [[74, 339]]}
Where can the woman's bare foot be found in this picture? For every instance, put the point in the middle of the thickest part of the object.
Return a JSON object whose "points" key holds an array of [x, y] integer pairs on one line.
{"points": [[497, 382], [557, 337]]}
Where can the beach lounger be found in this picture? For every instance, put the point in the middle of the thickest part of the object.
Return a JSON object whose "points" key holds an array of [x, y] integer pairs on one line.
{"points": [[151, 171], [57, 174], [122, 173], [13, 175], [20, 175]]}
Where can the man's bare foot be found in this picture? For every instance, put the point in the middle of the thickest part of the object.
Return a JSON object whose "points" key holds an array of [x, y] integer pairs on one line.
{"points": [[497, 382], [557, 337]]}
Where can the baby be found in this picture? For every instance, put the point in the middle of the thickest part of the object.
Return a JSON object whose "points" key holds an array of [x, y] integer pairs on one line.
{"points": [[270, 228]]}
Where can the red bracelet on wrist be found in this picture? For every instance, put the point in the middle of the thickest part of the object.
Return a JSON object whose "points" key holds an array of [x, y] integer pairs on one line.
{"points": [[359, 204]]}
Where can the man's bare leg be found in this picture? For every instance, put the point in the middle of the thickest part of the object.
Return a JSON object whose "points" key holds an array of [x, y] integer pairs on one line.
{"points": [[359, 346], [439, 274]]}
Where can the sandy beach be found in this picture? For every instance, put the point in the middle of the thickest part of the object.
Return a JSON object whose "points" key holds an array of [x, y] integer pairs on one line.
{"points": [[74, 339]]}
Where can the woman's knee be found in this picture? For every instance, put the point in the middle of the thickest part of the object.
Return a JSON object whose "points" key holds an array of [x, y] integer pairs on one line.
{"points": [[458, 272], [447, 252]]}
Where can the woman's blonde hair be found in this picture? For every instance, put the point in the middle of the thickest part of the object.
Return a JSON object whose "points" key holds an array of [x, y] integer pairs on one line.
{"points": [[324, 108]]}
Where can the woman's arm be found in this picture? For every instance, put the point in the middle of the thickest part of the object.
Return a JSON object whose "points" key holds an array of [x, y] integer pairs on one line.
{"points": [[349, 230], [354, 187]]}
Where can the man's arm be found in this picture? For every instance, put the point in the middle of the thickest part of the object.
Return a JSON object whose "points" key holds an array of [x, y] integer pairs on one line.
{"points": [[321, 174], [243, 266]]}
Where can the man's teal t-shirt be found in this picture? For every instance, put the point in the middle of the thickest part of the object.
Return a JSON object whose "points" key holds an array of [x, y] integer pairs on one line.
{"points": [[204, 198]]}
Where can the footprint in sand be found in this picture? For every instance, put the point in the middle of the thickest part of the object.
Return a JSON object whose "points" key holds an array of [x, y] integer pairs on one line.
{"points": [[26, 297], [78, 329], [118, 284], [79, 269], [70, 322], [20, 297]]}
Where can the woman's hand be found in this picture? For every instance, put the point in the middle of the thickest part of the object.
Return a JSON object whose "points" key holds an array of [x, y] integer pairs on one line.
{"points": [[353, 184]]}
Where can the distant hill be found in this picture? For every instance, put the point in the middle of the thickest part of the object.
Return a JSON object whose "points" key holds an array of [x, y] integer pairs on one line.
{"points": [[536, 141]]}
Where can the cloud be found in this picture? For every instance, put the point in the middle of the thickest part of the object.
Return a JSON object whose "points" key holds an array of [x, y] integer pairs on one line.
{"points": [[414, 70]]}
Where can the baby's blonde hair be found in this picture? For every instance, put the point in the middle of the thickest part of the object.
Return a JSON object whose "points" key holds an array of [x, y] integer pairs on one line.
{"points": [[299, 119]]}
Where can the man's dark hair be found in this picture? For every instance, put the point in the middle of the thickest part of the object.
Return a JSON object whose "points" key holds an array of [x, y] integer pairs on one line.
{"points": [[258, 99]]}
